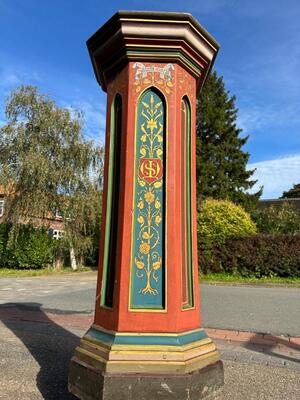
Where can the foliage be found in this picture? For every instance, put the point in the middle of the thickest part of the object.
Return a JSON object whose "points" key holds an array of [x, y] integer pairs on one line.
{"points": [[292, 193], [48, 165], [32, 248], [7, 257], [221, 163], [225, 277], [258, 255], [41, 272], [219, 220], [277, 220]]}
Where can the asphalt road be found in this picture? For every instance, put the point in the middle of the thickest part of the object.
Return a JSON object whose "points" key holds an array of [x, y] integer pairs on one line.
{"points": [[273, 310], [35, 361]]}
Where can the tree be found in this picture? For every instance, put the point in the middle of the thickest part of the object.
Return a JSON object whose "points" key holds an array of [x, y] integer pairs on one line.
{"points": [[292, 193], [283, 220], [46, 165], [221, 163]]}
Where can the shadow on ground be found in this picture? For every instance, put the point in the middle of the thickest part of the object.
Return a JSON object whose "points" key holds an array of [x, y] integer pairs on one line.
{"points": [[282, 347], [51, 346]]}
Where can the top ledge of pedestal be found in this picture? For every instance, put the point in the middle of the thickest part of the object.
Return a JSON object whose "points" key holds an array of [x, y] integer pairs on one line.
{"points": [[151, 36]]}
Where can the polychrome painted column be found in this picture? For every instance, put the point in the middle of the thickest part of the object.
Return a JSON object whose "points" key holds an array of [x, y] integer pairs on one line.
{"points": [[146, 341]]}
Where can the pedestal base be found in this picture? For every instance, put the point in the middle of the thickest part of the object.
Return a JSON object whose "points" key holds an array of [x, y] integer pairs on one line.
{"points": [[113, 365], [88, 383]]}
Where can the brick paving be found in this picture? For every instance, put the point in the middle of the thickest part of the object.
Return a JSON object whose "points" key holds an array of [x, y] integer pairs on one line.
{"points": [[284, 343]]}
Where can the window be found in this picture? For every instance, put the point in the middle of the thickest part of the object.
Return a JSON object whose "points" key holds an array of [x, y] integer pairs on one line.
{"points": [[1, 207], [58, 214], [55, 233]]}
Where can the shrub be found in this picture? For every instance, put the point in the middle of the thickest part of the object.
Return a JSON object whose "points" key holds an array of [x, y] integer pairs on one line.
{"points": [[219, 220], [7, 257], [31, 248], [277, 220], [259, 256]]}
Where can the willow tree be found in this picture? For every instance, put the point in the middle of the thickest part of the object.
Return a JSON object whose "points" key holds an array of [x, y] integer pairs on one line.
{"points": [[48, 166]]}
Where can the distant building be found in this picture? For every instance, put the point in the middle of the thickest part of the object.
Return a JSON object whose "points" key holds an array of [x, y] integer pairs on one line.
{"points": [[279, 203], [54, 221]]}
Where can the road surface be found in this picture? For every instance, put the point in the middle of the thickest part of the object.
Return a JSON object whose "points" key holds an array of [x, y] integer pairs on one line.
{"points": [[273, 310]]}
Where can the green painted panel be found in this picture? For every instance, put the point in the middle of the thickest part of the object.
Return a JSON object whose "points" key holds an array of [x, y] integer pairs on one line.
{"points": [[189, 206], [148, 241], [155, 340], [188, 263], [112, 207]]}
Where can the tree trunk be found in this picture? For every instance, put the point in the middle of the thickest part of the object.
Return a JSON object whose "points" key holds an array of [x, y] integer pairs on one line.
{"points": [[73, 259]]}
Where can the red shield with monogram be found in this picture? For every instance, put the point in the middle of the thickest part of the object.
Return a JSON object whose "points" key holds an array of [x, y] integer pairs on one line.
{"points": [[150, 169]]}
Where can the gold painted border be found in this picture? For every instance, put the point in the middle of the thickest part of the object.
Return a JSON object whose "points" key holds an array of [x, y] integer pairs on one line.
{"points": [[165, 310], [149, 55], [132, 54], [98, 328], [165, 46]]}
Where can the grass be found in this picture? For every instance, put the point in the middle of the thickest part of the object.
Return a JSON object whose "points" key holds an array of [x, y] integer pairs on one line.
{"points": [[20, 273], [219, 278], [238, 279]]}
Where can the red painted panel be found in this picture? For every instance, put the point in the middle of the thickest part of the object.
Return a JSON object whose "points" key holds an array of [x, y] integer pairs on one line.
{"points": [[173, 319]]}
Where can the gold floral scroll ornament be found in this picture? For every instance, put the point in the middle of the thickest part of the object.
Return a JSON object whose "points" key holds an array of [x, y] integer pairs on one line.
{"points": [[148, 258]]}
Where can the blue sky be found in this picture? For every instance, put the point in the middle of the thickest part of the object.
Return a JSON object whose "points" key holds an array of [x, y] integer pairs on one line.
{"points": [[43, 43]]}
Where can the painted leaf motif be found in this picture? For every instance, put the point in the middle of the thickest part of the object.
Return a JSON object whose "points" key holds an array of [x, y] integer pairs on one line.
{"points": [[157, 184], [146, 235], [159, 152], [157, 219], [156, 265], [140, 204], [140, 219], [142, 183], [139, 264], [157, 204], [143, 151], [144, 138], [159, 138]]}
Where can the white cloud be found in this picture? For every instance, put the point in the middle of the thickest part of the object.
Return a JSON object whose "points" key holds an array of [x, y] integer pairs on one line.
{"points": [[277, 175], [257, 117], [11, 76]]}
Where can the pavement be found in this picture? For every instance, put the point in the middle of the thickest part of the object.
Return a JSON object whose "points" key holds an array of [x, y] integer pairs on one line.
{"points": [[43, 318]]}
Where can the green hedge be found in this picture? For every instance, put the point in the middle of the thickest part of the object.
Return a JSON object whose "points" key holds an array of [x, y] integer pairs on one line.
{"points": [[277, 220], [259, 256], [31, 248]]}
